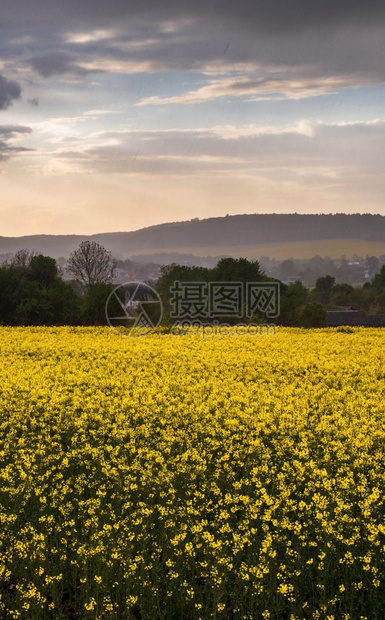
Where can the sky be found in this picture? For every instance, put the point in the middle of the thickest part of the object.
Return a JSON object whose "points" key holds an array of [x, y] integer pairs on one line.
{"points": [[121, 114]]}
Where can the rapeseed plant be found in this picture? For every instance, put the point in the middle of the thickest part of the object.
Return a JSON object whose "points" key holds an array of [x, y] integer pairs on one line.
{"points": [[174, 477]]}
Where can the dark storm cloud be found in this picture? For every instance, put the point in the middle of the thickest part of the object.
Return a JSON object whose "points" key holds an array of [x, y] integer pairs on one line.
{"points": [[275, 15], [9, 91], [308, 38], [57, 63]]}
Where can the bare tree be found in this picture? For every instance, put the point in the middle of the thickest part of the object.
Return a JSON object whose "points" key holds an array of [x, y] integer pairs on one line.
{"points": [[91, 264], [22, 258]]}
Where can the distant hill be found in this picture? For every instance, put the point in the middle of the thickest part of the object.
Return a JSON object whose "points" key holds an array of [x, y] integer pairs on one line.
{"points": [[273, 235]]}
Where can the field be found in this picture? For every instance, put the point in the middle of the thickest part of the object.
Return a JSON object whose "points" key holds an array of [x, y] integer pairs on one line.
{"points": [[334, 248], [184, 477]]}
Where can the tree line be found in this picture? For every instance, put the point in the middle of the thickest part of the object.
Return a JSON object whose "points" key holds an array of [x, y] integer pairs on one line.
{"points": [[33, 291]]}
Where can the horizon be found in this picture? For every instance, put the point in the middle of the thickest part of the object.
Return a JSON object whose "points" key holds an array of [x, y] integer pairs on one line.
{"points": [[120, 117], [194, 219]]}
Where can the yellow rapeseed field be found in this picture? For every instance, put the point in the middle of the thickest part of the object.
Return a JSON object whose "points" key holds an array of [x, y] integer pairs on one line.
{"points": [[167, 477]]}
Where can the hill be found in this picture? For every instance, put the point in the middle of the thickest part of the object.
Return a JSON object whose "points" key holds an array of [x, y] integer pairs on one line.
{"points": [[273, 235]]}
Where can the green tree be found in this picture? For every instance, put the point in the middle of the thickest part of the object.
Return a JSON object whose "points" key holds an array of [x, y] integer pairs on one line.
{"points": [[293, 300], [93, 304], [32, 293], [177, 273], [341, 295], [10, 292], [313, 315], [43, 269], [323, 289], [237, 270], [227, 270], [364, 297], [379, 279]]}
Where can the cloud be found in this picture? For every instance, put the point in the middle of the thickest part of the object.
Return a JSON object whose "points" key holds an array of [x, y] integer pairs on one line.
{"points": [[254, 89], [90, 36], [57, 63], [303, 150], [9, 91], [14, 131], [8, 134], [108, 65], [276, 14], [67, 37]]}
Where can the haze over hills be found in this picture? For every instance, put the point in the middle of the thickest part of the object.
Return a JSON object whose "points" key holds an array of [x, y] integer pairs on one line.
{"points": [[274, 235]]}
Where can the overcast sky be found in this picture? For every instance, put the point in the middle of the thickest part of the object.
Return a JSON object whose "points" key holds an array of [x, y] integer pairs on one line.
{"points": [[120, 114]]}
